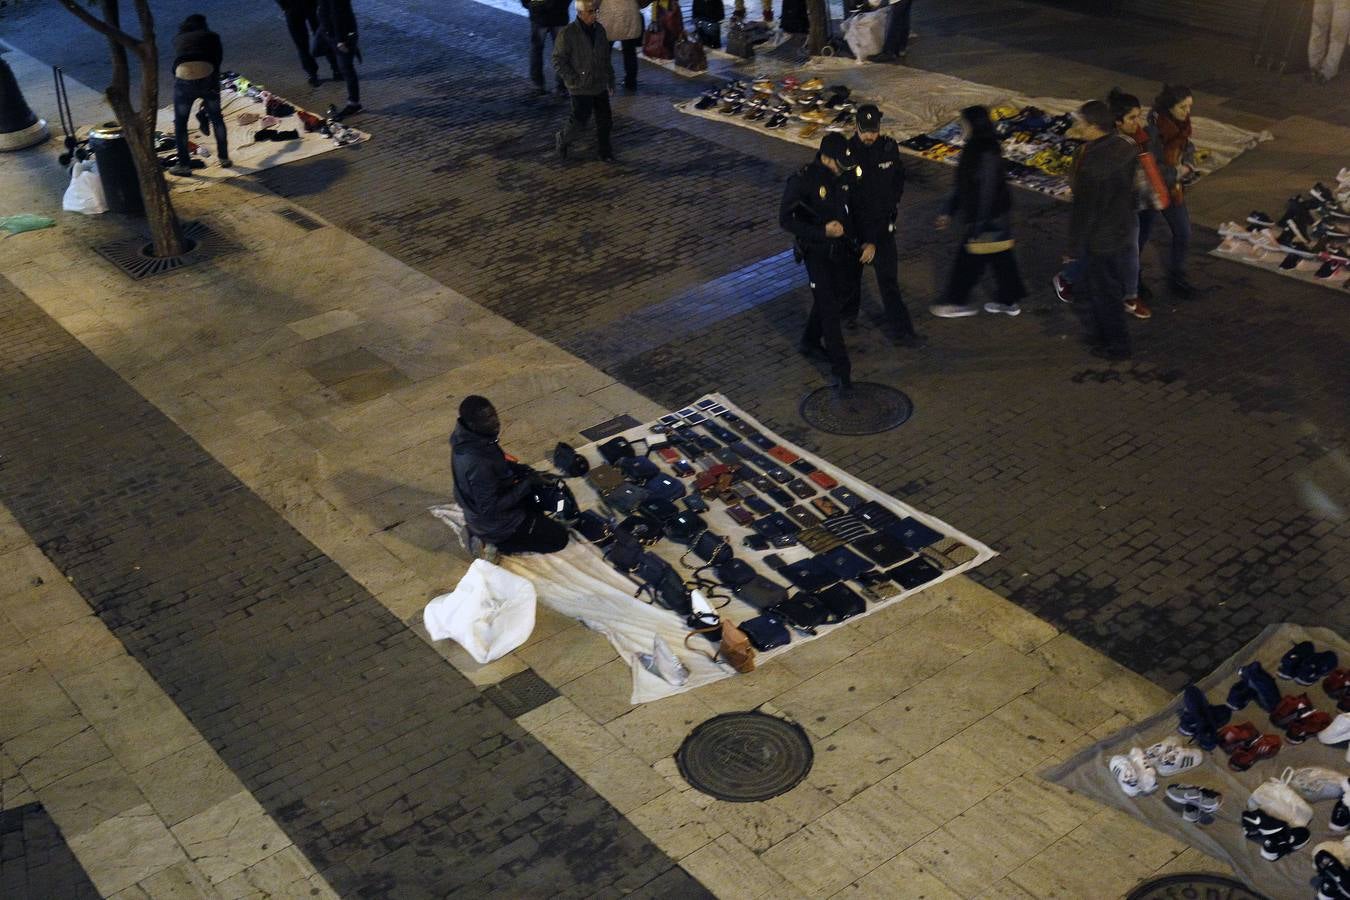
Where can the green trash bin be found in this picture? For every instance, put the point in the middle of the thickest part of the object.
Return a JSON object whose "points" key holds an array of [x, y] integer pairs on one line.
{"points": [[117, 171]]}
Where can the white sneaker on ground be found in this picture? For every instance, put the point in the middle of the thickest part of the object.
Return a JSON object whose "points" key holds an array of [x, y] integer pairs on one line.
{"points": [[1003, 309], [1337, 731], [1127, 776], [1170, 758], [952, 311]]}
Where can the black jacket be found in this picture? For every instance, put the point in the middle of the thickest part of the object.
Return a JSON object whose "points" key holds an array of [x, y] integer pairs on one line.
{"points": [[876, 182], [488, 487], [337, 23], [1104, 217], [581, 59], [197, 45], [547, 13], [812, 198], [981, 200]]}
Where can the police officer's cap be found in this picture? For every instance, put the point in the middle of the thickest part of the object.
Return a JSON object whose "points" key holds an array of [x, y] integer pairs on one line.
{"points": [[835, 146], [869, 118]]}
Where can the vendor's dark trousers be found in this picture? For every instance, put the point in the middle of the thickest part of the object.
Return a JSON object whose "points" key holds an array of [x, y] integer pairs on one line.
{"points": [[896, 41], [968, 269], [538, 534], [1107, 275], [630, 48], [888, 285], [539, 35], [582, 107], [300, 23], [824, 326], [346, 66], [1178, 218], [186, 93]]}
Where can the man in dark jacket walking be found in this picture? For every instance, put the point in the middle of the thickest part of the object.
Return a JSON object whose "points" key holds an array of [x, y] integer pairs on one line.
{"points": [[1104, 226], [581, 58], [815, 210], [337, 35], [876, 181], [302, 18], [196, 76], [494, 492], [547, 18]]}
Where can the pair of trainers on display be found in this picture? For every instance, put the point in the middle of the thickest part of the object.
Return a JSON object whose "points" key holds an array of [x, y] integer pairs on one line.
{"points": [[1246, 745], [1195, 803], [1200, 720], [1298, 718], [1332, 860], [1277, 817], [1137, 771], [1307, 665]]}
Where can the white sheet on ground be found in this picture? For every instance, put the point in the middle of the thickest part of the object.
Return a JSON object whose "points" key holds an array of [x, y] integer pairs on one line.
{"points": [[489, 613], [579, 583]]}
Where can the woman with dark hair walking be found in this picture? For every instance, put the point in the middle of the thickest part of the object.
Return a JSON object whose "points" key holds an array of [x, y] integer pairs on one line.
{"points": [[1169, 140], [981, 204]]}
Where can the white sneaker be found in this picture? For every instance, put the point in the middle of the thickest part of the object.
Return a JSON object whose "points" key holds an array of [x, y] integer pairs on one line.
{"points": [[1275, 797], [1127, 776], [952, 311], [1316, 783], [1170, 758], [1003, 309], [1337, 731], [1148, 776]]}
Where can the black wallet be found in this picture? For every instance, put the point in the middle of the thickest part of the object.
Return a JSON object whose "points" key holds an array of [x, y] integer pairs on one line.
{"points": [[914, 573], [844, 563], [884, 549], [876, 515], [913, 534], [842, 602], [808, 574], [760, 592], [846, 497], [801, 489], [802, 610], [734, 572]]}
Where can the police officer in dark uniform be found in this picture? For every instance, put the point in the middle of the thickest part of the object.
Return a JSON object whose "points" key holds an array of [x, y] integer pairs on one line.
{"points": [[815, 210], [876, 181]]}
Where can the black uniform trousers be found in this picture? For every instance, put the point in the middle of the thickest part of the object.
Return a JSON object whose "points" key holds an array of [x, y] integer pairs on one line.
{"points": [[300, 22], [829, 283], [888, 285]]}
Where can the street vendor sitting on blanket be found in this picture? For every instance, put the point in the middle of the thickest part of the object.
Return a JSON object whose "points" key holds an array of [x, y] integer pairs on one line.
{"points": [[494, 491]]}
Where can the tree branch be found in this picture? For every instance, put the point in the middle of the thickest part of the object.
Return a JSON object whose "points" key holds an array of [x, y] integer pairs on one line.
{"points": [[102, 27]]}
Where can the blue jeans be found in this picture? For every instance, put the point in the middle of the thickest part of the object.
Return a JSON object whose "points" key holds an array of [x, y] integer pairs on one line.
{"points": [[539, 34], [1076, 270], [1179, 221], [186, 93], [897, 31]]}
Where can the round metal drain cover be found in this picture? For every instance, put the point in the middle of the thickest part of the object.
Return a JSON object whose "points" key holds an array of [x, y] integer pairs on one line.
{"points": [[873, 408], [745, 756], [1199, 885]]}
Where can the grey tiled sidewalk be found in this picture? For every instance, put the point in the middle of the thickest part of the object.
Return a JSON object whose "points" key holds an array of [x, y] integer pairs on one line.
{"points": [[390, 771]]}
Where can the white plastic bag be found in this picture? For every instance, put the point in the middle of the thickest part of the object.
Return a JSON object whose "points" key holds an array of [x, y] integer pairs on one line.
{"points": [[85, 193], [866, 32], [489, 613]]}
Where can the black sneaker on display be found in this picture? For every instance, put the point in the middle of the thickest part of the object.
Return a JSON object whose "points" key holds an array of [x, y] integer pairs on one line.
{"points": [[1340, 816], [1281, 845]]}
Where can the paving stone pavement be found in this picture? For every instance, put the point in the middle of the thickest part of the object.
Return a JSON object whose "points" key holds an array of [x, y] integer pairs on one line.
{"points": [[313, 693], [35, 860], [1161, 511]]}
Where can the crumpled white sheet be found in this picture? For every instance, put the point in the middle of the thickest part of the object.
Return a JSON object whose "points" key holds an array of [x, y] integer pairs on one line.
{"points": [[578, 583]]}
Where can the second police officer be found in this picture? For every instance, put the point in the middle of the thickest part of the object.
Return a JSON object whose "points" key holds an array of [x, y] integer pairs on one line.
{"points": [[815, 210], [876, 180]]}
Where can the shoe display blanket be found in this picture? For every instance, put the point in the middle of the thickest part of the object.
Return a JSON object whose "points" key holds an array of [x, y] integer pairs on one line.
{"points": [[579, 583], [1308, 240], [244, 107], [1088, 772], [921, 109]]}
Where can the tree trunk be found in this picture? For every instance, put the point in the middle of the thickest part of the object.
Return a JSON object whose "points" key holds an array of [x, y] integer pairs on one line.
{"points": [[138, 127], [818, 14]]}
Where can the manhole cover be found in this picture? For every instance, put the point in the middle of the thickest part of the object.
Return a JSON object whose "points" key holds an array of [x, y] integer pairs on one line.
{"points": [[520, 693], [1198, 885], [745, 756], [871, 409]]}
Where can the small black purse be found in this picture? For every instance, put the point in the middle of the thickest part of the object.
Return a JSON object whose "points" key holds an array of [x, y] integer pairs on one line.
{"points": [[766, 632], [569, 462]]}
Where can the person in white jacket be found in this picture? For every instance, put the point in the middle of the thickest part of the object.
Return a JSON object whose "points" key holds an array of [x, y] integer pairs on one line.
{"points": [[1326, 43], [623, 23]]}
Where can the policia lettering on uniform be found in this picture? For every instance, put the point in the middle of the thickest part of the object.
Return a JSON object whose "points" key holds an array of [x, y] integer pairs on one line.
{"points": [[815, 211]]}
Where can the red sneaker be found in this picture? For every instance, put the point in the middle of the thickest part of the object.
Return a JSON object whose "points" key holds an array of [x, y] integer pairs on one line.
{"points": [[1263, 747], [1136, 307], [1233, 737]]}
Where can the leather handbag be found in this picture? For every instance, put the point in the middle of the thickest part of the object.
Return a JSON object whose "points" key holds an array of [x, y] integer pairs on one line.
{"points": [[638, 469], [733, 572], [844, 563], [623, 552], [569, 462], [949, 553], [712, 548], [738, 40], [733, 645], [914, 573], [664, 487], [654, 42], [803, 611], [766, 632], [657, 509], [842, 602], [913, 534], [644, 530], [616, 449], [709, 33], [760, 592], [594, 527], [625, 498], [684, 527], [604, 478]]}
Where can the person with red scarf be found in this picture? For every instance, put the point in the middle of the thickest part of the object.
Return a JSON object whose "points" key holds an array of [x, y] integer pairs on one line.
{"points": [[1169, 140]]}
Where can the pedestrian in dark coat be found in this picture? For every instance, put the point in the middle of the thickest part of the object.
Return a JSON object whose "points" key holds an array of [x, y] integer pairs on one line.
{"points": [[196, 76], [981, 206], [581, 58], [337, 33], [1169, 133], [493, 491], [302, 21], [547, 19]]}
